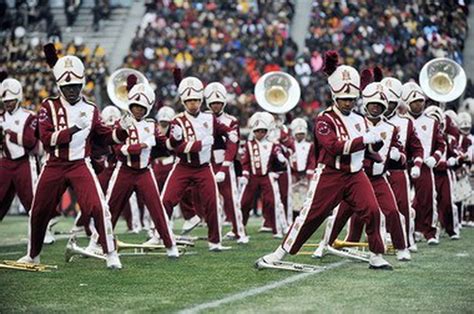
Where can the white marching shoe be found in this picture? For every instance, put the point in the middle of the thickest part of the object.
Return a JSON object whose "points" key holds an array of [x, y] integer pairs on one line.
{"points": [[154, 240], [190, 224], [432, 241], [413, 248], [455, 237], [320, 250], [113, 261], [267, 261], [230, 236], [172, 252], [94, 248], [243, 239], [376, 261], [218, 247], [29, 260], [403, 255], [49, 237]]}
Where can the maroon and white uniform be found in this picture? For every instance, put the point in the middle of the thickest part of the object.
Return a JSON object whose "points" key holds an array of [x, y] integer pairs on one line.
{"points": [[257, 161], [282, 136], [193, 166], [303, 160], [18, 171], [68, 164], [398, 174], [376, 171], [338, 176], [444, 181], [223, 155], [424, 202], [133, 173]]}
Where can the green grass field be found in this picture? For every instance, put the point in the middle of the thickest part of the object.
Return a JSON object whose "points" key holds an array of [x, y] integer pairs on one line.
{"points": [[439, 279]]}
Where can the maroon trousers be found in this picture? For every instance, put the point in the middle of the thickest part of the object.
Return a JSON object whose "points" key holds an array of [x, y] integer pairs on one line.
{"points": [[53, 181], [179, 179], [447, 210], [263, 185], [229, 192], [17, 176], [124, 182], [328, 188], [388, 205], [400, 184], [424, 203]]}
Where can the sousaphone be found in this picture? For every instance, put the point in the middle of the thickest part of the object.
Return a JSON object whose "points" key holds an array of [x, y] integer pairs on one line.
{"points": [[442, 80], [277, 92], [117, 86]]}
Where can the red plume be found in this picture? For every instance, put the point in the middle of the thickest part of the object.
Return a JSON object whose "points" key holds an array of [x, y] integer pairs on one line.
{"points": [[331, 60], [3, 75], [378, 75], [51, 54], [178, 76], [365, 78], [131, 81]]}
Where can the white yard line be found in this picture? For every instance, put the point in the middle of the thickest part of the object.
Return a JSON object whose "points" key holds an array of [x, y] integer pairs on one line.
{"points": [[11, 253], [256, 291]]}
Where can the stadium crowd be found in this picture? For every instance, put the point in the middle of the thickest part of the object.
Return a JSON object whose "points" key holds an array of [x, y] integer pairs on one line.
{"points": [[23, 59], [226, 41]]}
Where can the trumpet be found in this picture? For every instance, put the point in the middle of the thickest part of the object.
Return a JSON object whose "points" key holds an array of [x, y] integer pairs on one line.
{"points": [[145, 249], [7, 264], [73, 249]]}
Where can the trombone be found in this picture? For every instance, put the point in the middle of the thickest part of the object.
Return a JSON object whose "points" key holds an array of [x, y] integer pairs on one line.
{"points": [[7, 264]]}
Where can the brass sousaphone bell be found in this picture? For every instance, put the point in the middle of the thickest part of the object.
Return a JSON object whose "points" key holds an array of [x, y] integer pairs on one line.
{"points": [[277, 92], [442, 80], [117, 86]]}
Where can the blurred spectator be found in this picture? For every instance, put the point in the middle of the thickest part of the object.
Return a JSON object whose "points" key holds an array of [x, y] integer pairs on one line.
{"points": [[233, 42], [400, 36], [24, 60], [71, 9]]}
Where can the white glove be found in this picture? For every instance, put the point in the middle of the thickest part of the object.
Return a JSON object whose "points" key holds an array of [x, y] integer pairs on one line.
{"points": [[208, 140], [371, 137], [176, 133], [281, 158], [452, 161], [220, 177], [126, 122], [415, 172], [83, 122], [233, 136], [395, 154], [430, 162], [243, 180]]}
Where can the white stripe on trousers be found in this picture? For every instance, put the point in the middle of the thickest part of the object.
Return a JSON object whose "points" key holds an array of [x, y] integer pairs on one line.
{"points": [[216, 188], [165, 214], [402, 218], [301, 219], [106, 216], [235, 195], [31, 209]]}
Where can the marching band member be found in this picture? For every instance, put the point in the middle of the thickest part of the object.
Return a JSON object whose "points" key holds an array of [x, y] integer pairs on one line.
{"points": [[67, 126], [133, 172], [191, 137], [303, 161], [281, 135], [223, 155], [398, 175], [430, 137], [258, 159], [17, 133], [375, 103], [447, 210], [343, 138], [466, 146]]}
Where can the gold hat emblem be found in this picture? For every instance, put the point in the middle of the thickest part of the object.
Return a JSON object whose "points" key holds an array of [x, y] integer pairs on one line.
{"points": [[346, 75], [68, 63]]}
